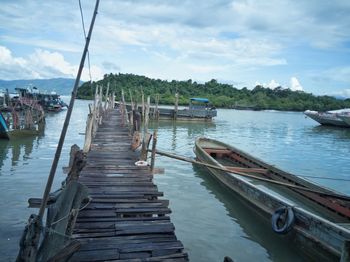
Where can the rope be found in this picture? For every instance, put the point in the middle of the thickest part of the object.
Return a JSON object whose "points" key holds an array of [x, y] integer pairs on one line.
{"points": [[88, 53], [72, 212]]}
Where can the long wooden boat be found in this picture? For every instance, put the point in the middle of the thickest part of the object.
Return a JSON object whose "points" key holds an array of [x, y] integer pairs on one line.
{"points": [[318, 219]]}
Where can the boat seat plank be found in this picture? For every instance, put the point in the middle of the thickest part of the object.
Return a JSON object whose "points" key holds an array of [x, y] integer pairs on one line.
{"points": [[247, 169]]}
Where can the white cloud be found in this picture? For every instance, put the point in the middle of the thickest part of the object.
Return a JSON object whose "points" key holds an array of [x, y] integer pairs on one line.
{"points": [[40, 64], [295, 84], [272, 84]]}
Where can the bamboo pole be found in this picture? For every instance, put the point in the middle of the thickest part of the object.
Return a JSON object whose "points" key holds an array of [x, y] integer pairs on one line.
{"points": [[334, 195], [67, 119]]}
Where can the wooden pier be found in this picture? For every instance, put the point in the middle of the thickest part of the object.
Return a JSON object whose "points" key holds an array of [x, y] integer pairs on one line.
{"points": [[125, 219]]}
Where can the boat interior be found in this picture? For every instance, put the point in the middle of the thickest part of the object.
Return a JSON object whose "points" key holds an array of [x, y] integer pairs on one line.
{"points": [[335, 210]]}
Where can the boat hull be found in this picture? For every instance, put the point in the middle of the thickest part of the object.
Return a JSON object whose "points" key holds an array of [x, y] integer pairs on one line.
{"points": [[329, 119], [182, 114], [320, 236], [345, 118]]}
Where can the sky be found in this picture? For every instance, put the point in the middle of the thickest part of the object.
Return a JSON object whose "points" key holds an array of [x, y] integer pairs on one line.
{"points": [[302, 45]]}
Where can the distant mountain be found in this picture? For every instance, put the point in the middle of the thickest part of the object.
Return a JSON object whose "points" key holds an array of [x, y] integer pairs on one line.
{"points": [[62, 86]]}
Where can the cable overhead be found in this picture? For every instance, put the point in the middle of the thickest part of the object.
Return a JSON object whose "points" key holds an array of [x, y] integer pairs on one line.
{"points": [[88, 53]]}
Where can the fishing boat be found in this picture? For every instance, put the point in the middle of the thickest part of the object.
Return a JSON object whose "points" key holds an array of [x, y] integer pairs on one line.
{"points": [[316, 217], [48, 101], [21, 123], [331, 118], [198, 109]]}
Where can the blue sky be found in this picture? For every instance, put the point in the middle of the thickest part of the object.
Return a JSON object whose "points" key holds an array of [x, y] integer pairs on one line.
{"points": [[303, 45]]}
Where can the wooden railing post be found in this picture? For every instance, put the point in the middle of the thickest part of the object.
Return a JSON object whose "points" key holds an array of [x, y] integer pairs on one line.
{"points": [[153, 154]]}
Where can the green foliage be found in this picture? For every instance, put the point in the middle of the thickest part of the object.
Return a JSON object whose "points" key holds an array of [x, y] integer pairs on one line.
{"points": [[221, 95]]}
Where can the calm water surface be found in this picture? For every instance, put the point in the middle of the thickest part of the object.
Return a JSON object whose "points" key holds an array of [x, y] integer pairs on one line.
{"points": [[210, 220]]}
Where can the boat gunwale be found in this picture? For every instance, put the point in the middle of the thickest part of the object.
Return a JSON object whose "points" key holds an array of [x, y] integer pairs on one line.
{"points": [[320, 226]]}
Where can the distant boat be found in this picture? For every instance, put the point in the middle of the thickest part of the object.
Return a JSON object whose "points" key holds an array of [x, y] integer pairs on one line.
{"points": [[316, 218], [198, 109], [21, 124], [49, 101], [331, 118]]}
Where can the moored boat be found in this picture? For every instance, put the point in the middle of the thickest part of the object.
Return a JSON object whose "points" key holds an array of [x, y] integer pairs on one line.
{"points": [[21, 124], [332, 118], [317, 217], [345, 117], [198, 109]]}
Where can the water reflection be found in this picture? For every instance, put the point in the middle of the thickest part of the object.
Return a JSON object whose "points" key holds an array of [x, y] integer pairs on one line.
{"points": [[338, 132], [18, 149], [255, 227], [177, 129]]}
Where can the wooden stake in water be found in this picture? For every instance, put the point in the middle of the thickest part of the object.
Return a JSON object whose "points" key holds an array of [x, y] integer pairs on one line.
{"points": [[176, 105], [154, 145], [145, 132]]}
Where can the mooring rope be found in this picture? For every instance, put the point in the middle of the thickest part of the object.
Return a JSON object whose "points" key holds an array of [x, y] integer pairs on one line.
{"points": [[72, 212]]}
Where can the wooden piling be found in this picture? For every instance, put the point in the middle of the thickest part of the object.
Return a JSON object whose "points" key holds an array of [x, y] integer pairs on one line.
{"points": [[153, 154], [176, 105]]}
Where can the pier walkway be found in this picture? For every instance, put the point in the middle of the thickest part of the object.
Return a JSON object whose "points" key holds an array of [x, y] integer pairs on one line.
{"points": [[125, 220]]}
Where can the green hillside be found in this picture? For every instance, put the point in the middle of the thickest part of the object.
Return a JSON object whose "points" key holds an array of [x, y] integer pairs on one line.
{"points": [[221, 95]]}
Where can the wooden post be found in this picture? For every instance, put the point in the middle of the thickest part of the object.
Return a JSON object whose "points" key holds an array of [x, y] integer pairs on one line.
{"points": [[153, 154], [156, 108], [143, 105], [113, 100], [145, 139], [100, 108], [345, 254], [88, 131], [147, 114], [176, 105], [131, 100], [106, 102], [125, 111]]}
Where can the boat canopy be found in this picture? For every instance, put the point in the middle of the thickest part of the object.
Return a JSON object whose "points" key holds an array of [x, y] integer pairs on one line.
{"points": [[197, 99]]}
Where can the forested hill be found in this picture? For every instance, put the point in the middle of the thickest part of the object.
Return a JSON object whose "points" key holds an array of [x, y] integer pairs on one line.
{"points": [[221, 95]]}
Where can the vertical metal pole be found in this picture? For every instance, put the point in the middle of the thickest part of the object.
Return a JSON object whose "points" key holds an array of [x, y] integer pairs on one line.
{"points": [[66, 121]]}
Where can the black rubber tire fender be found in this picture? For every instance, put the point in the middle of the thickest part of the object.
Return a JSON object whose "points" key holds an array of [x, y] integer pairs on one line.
{"points": [[289, 221]]}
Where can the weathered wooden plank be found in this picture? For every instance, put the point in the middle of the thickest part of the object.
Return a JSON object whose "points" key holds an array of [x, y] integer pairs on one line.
{"points": [[125, 220]]}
